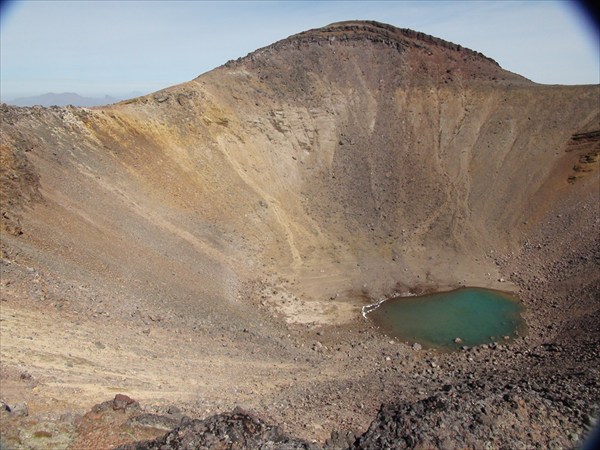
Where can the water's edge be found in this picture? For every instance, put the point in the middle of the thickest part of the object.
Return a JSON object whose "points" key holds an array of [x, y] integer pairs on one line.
{"points": [[519, 324], [367, 309]]}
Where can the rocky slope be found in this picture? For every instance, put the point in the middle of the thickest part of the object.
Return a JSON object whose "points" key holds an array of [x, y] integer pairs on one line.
{"points": [[211, 244]]}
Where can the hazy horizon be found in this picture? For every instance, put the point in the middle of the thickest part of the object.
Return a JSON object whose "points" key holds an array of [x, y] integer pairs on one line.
{"points": [[96, 49]]}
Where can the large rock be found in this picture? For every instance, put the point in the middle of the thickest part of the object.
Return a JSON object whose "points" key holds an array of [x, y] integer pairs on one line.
{"points": [[236, 430]]}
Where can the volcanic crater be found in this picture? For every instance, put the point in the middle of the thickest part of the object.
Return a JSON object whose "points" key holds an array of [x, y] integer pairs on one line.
{"points": [[211, 245]]}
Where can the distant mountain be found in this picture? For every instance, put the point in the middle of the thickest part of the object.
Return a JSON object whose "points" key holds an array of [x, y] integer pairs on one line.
{"points": [[66, 98]]}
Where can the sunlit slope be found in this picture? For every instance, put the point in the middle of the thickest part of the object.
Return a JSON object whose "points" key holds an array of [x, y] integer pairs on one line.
{"points": [[352, 158]]}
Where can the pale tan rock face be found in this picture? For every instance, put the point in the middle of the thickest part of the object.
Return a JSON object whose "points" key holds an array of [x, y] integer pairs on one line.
{"points": [[292, 187]]}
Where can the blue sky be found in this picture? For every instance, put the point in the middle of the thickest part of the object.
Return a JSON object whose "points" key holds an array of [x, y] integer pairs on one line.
{"points": [[97, 48]]}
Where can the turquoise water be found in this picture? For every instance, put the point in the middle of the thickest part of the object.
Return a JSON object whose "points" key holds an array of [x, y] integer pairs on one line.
{"points": [[475, 315]]}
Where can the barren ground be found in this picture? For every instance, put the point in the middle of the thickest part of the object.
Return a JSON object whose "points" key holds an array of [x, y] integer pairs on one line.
{"points": [[211, 245]]}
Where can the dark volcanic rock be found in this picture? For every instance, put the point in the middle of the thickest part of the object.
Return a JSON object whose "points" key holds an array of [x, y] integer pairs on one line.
{"points": [[236, 430], [480, 415], [122, 401], [153, 421]]}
